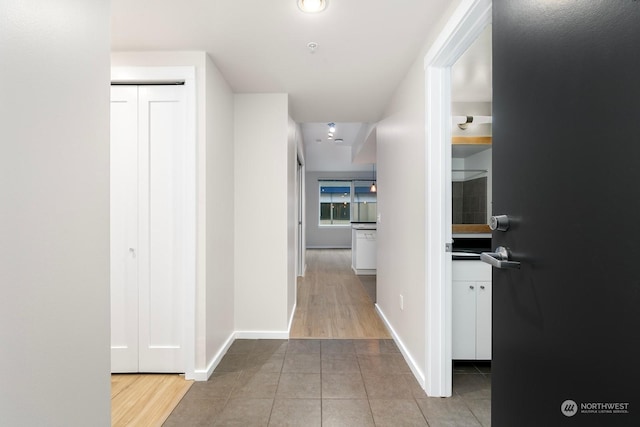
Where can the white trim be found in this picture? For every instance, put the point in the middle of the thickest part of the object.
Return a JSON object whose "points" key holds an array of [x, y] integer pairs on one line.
{"points": [[403, 349], [462, 29], [188, 74], [293, 312], [327, 247], [204, 375], [262, 335]]}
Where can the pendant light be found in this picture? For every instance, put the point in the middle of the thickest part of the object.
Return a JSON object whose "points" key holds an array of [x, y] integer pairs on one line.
{"points": [[373, 188]]}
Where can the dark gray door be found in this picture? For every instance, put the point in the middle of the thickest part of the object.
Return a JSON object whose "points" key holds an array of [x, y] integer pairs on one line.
{"points": [[566, 147]]}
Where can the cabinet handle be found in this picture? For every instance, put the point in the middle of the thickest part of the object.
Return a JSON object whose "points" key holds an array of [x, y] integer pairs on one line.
{"points": [[481, 286], [471, 287]]}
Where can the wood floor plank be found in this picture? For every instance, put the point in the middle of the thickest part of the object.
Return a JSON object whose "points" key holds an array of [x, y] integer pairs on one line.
{"points": [[332, 302], [145, 399]]}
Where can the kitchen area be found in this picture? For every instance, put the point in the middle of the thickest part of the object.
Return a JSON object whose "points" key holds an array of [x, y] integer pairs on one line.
{"points": [[363, 229], [471, 235]]}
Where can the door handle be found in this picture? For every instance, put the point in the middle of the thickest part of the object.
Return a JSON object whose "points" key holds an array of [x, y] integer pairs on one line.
{"points": [[499, 258]]}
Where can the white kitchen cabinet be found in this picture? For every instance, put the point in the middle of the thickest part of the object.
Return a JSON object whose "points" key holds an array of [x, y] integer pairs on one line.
{"points": [[364, 250], [471, 314]]}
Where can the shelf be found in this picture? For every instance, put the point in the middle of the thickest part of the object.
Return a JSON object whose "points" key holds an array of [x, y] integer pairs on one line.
{"points": [[470, 228], [472, 140]]}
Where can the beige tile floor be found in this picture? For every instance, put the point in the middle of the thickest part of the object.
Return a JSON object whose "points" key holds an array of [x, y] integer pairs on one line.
{"points": [[328, 383]]}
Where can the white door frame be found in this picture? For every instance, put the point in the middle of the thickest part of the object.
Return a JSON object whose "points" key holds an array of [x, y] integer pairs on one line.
{"points": [[465, 25], [188, 267], [300, 222]]}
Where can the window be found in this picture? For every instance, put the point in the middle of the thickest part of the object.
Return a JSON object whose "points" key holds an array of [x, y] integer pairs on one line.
{"points": [[335, 202], [364, 202], [342, 202]]}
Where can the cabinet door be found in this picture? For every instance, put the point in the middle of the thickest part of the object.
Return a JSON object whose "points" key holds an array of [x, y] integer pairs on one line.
{"points": [[366, 249], [483, 320], [463, 320]]}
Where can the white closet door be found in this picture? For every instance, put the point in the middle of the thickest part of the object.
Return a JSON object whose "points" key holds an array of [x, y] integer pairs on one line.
{"points": [[148, 135], [161, 137], [124, 228]]}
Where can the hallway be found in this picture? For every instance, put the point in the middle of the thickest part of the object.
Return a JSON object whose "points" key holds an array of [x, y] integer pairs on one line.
{"points": [[332, 301], [339, 368]]}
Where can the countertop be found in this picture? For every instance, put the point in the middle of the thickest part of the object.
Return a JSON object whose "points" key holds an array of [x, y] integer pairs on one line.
{"points": [[364, 225]]}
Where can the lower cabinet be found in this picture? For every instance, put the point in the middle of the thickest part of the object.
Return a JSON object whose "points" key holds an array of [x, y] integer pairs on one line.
{"points": [[363, 251], [471, 314]]}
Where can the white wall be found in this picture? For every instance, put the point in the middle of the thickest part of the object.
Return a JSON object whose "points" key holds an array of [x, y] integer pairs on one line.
{"points": [[214, 237], [54, 214], [326, 237], [262, 183], [401, 236], [219, 217], [401, 206]]}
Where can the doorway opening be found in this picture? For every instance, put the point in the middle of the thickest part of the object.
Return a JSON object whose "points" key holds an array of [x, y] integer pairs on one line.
{"points": [[465, 26]]}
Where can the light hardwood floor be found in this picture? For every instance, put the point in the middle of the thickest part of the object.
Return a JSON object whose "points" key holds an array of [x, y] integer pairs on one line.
{"points": [[145, 400], [332, 303]]}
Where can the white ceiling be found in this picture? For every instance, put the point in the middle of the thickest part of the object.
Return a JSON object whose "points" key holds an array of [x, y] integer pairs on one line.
{"points": [[365, 48], [322, 154]]}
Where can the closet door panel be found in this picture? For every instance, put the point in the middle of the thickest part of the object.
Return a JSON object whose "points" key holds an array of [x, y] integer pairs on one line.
{"points": [[124, 228], [162, 133]]}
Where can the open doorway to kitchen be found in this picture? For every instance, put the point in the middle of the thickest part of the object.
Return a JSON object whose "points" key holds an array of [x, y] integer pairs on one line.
{"points": [[471, 207], [464, 27]]}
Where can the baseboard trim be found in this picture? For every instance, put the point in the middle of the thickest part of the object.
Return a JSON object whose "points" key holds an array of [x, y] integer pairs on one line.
{"points": [[204, 374], [293, 312], [261, 335], [403, 349], [329, 247]]}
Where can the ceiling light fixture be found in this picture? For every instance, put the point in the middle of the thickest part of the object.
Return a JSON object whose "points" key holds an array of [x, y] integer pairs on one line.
{"points": [[312, 46], [312, 6]]}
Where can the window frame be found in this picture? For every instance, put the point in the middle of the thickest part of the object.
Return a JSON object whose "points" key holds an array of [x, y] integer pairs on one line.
{"points": [[346, 182]]}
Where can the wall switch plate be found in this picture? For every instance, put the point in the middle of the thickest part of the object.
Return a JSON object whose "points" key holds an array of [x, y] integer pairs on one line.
{"points": [[401, 302]]}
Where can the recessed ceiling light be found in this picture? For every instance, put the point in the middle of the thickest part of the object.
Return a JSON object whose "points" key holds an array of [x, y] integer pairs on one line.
{"points": [[312, 46], [312, 6]]}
